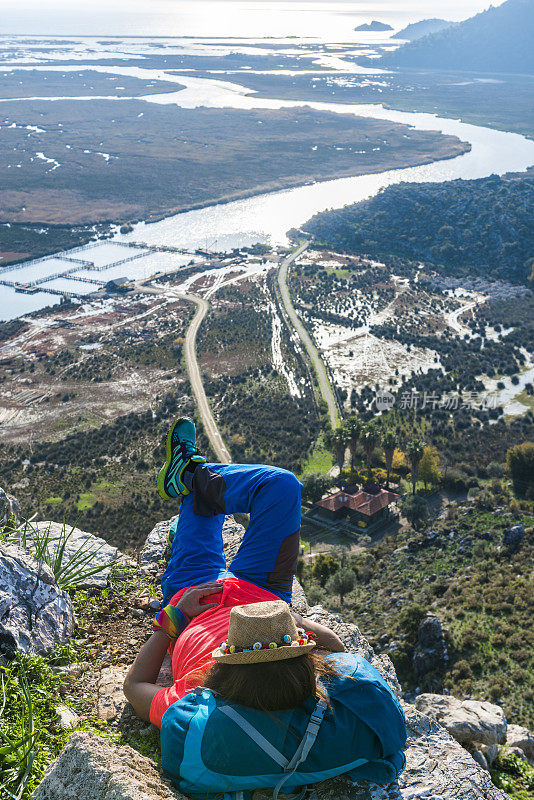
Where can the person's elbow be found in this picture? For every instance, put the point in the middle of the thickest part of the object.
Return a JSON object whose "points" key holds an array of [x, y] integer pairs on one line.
{"points": [[140, 695], [337, 645], [126, 687]]}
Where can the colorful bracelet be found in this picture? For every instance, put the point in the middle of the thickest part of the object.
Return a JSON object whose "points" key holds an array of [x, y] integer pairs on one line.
{"points": [[171, 620]]}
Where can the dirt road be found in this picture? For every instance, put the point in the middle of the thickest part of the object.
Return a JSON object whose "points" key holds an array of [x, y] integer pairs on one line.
{"points": [[204, 409], [218, 446], [453, 318]]}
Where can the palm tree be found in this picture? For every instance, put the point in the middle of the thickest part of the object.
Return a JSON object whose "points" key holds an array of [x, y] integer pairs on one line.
{"points": [[369, 439], [338, 442], [415, 453], [353, 428], [389, 443]]}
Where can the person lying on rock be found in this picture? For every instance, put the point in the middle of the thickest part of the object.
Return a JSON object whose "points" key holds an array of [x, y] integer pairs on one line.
{"points": [[262, 698]]}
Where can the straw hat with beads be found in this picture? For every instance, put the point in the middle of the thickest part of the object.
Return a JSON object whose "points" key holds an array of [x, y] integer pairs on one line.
{"points": [[261, 632]]}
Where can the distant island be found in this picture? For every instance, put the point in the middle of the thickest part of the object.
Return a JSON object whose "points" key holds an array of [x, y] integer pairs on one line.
{"points": [[497, 40], [416, 30], [374, 26]]}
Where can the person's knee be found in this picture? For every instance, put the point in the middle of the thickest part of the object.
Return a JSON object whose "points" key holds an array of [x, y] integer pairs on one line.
{"points": [[286, 482]]}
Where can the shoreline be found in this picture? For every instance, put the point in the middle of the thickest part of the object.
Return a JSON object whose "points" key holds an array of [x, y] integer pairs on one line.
{"points": [[460, 148], [246, 194]]}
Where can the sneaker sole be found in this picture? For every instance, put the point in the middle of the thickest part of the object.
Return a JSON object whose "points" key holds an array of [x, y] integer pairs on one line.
{"points": [[162, 474]]}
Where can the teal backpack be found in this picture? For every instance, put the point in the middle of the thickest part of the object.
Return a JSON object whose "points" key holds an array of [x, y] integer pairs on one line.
{"points": [[212, 748]]}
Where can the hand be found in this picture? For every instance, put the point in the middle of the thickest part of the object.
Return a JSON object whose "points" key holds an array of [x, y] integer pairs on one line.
{"points": [[325, 639], [190, 603]]}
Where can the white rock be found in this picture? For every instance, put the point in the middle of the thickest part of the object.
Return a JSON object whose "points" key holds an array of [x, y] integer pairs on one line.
{"points": [[90, 768], [35, 615], [480, 759], [516, 736], [111, 701], [489, 751], [103, 554], [154, 547], [9, 508], [65, 717], [468, 721]]}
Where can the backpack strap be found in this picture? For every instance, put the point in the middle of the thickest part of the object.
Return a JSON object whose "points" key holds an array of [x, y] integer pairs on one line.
{"points": [[302, 751], [310, 735], [306, 744]]}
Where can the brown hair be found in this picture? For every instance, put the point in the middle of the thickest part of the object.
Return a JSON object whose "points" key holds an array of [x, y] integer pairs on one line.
{"points": [[270, 685]]}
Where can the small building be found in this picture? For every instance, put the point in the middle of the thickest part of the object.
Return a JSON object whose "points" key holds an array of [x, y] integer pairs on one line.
{"points": [[117, 285], [366, 509]]}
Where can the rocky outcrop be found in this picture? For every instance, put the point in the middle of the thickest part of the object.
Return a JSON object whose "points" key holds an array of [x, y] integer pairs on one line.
{"points": [[470, 722], [9, 508], [155, 546], [437, 768], [430, 654], [513, 538], [90, 768], [78, 545], [35, 615], [522, 739]]}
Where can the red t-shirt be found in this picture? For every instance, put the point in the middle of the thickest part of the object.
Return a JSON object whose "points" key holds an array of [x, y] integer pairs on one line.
{"points": [[193, 648]]}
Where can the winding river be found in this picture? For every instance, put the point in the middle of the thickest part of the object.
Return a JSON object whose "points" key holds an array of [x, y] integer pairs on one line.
{"points": [[267, 217]]}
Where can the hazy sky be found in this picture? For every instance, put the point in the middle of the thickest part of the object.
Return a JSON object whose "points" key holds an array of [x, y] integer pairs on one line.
{"points": [[213, 17]]}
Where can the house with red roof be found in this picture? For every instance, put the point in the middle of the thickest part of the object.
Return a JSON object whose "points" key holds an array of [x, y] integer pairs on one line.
{"points": [[366, 508]]}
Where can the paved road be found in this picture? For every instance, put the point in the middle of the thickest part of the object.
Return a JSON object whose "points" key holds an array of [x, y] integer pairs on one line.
{"points": [[318, 363]]}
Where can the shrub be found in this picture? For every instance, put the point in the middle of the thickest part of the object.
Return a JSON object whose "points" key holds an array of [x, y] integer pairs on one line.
{"points": [[415, 509], [520, 465], [341, 583], [17, 734], [324, 566], [513, 775], [409, 620], [462, 669], [495, 469], [314, 485]]}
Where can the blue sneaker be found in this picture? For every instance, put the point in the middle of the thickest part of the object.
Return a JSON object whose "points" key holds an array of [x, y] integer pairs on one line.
{"points": [[181, 451]]}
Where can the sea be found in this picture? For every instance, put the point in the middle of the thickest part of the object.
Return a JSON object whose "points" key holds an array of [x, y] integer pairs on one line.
{"points": [[327, 21]]}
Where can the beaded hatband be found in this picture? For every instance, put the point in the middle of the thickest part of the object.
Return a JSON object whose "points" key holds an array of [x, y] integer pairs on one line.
{"points": [[305, 637]]}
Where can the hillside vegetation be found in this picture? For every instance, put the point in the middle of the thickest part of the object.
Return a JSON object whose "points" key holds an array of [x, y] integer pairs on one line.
{"points": [[497, 40], [481, 226]]}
